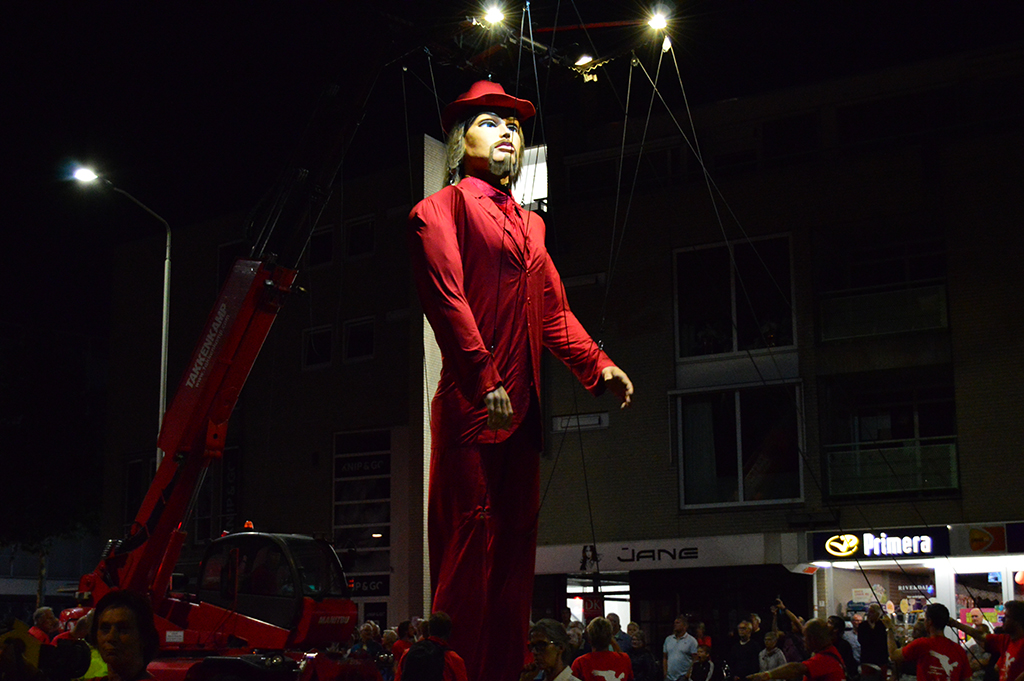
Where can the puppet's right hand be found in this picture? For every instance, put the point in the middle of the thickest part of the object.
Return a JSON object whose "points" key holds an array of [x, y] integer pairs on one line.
{"points": [[499, 409]]}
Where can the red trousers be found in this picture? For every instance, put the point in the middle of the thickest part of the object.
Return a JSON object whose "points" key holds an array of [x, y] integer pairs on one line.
{"points": [[483, 508]]}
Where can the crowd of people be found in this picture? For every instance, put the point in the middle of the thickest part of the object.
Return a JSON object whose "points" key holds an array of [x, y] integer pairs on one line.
{"points": [[123, 639], [867, 647]]}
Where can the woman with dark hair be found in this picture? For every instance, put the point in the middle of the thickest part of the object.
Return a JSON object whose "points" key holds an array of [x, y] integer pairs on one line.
{"points": [[604, 657], [548, 643], [645, 666], [125, 634]]}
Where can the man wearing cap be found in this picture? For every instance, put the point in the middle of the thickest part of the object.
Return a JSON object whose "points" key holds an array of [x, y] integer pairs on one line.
{"points": [[494, 300]]}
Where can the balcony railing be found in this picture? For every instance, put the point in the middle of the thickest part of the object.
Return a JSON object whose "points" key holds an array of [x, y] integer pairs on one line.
{"points": [[892, 466], [857, 315]]}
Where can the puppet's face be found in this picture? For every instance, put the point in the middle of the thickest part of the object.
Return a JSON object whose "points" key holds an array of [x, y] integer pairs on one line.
{"points": [[493, 145]]}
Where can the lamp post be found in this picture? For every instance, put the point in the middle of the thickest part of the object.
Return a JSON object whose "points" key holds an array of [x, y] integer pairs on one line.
{"points": [[87, 176]]}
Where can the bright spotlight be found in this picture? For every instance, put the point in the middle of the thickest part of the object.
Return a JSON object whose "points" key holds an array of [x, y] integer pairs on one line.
{"points": [[85, 175], [666, 44], [494, 15], [658, 21], [584, 60]]}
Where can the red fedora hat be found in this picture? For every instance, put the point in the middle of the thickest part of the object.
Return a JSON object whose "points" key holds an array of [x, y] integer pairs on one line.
{"points": [[482, 95]]}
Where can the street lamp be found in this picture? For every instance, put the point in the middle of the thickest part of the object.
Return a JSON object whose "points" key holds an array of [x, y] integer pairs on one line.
{"points": [[87, 176]]}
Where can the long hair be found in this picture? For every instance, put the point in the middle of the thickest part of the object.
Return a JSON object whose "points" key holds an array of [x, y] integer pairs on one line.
{"points": [[455, 153]]}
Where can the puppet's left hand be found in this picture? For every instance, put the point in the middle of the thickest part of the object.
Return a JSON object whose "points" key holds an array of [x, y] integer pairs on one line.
{"points": [[616, 380]]}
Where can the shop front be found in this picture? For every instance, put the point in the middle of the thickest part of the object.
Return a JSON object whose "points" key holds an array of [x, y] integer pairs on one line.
{"points": [[904, 568], [716, 580]]}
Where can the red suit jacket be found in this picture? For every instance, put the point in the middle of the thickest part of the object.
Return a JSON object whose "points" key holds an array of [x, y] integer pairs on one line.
{"points": [[494, 299]]}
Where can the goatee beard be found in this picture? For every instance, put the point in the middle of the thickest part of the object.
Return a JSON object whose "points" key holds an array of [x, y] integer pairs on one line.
{"points": [[502, 168]]}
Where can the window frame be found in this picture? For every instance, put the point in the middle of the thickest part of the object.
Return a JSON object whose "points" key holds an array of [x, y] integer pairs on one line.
{"points": [[677, 398], [734, 301]]}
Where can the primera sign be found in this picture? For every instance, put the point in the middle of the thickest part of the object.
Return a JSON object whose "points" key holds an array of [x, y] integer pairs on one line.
{"points": [[887, 543]]}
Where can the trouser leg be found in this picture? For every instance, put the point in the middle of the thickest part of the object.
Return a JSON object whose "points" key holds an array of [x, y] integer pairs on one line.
{"points": [[458, 547], [512, 471]]}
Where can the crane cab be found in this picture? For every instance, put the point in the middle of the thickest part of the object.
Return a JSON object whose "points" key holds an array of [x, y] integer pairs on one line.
{"points": [[275, 578]]}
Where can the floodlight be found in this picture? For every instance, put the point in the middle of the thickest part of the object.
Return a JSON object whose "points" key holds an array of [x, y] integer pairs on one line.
{"points": [[494, 15], [584, 60], [658, 21]]}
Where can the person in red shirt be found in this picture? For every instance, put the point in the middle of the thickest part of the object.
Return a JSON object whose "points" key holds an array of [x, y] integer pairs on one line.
{"points": [[824, 665], [938, 658], [1008, 647], [602, 662], [45, 625], [494, 301], [432, 657]]}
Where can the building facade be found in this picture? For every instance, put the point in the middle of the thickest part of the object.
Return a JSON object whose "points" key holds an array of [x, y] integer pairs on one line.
{"points": [[815, 294]]}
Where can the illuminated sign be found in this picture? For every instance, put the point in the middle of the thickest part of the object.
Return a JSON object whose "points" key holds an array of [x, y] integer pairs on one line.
{"points": [[888, 543], [884, 545], [842, 545]]}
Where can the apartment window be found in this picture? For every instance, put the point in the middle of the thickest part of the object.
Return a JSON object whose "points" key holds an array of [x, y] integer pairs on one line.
{"points": [[359, 237], [316, 347], [891, 432], [875, 286], [362, 501], [320, 250], [734, 298], [739, 446], [358, 339]]}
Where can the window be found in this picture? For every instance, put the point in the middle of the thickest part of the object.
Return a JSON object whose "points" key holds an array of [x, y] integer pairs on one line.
{"points": [[362, 501], [890, 432], [358, 339], [739, 446], [316, 347], [359, 239], [734, 298], [875, 284]]}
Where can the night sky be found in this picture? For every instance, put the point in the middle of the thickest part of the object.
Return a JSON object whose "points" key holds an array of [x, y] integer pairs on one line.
{"points": [[193, 107]]}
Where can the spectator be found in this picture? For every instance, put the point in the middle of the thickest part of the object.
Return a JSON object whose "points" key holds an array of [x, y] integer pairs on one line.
{"points": [[80, 632], [367, 647], [621, 637], [791, 643], [743, 658], [45, 625], [874, 651], [851, 636], [603, 659], [678, 650], [825, 664], [578, 644], [756, 632], [1007, 647], [124, 632], [771, 657], [432, 659], [548, 644], [631, 629], [702, 669], [406, 637], [937, 657], [702, 636], [645, 665], [977, 619], [837, 629]]}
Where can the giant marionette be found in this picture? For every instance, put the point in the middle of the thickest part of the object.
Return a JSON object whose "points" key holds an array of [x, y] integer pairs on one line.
{"points": [[494, 300]]}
